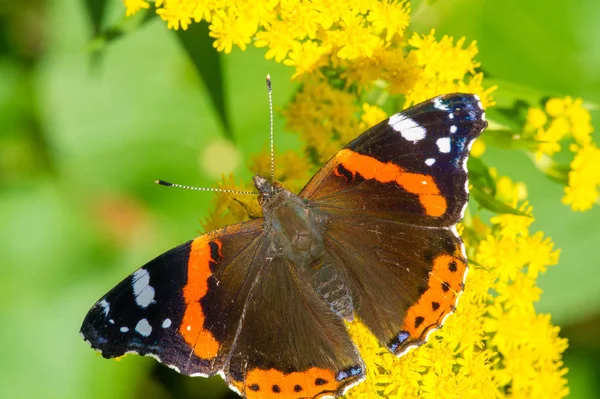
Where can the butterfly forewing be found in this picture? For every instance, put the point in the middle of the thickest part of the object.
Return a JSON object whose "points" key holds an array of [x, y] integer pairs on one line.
{"points": [[409, 168], [183, 307]]}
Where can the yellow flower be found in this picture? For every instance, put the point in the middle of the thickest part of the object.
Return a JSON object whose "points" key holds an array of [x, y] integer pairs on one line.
{"points": [[371, 116], [177, 13], [555, 107], [319, 112], [133, 6], [583, 190], [536, 118], [446, 67], [538, 253], [355, 40], [229, 29], [229, 208], [478, 148], [279, 38], [580, 118], [306, 57], [519, 294], [550, 138], [390, 16], [563, 118]]}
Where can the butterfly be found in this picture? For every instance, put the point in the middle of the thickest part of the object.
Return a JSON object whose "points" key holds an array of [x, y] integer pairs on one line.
{"points": [[263, 303]]}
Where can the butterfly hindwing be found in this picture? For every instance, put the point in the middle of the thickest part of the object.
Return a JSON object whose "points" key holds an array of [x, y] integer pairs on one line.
{"points": [[410, 167], [291, 345], [404, 280]]}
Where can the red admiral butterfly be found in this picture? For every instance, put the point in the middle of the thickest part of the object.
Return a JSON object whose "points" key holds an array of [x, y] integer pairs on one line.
{"points": [[263, 302]]}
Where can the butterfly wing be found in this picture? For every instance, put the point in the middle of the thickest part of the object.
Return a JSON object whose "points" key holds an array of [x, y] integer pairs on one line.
{"points": [[291, 345], [403, 280], [184, 307], [410, 167], [393, 197]]}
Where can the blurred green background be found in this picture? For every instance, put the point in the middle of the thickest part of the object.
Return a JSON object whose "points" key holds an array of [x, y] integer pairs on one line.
{"points": [[83, 135]]}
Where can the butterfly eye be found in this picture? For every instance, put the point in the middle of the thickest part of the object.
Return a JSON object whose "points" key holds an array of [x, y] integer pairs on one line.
{"points": [[261, 199]]}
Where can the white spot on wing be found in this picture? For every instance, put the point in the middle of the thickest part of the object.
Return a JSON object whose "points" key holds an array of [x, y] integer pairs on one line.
{"points": [[453, 129], [142, 290], [443, 144], [166, 323], [143, 328], [105, 306], [437, 104], [451, 115], [408, 128], [429, 161], [124, 329]]}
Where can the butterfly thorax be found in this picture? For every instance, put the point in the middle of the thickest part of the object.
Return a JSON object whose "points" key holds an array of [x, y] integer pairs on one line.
{"points": [[295, 230]]}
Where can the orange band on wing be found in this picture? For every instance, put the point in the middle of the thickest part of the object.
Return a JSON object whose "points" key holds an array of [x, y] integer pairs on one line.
{"points": [[273, 384], [192, 325], [387, 172], [445, 282]]}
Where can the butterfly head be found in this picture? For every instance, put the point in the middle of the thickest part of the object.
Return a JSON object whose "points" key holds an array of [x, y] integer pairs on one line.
{"points": [[271, 193]]}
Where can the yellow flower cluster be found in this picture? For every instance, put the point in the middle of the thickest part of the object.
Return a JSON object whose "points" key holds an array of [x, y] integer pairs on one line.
{"points": [[133, 6], [363, 40], [583, 190], [354, 59], [560, 120]]}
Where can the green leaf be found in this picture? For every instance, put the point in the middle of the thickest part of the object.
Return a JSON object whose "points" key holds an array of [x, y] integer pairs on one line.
{"points": [[492, 204], [509, 140], [95, 10], [207, 61], [480, 177], [514, 116], [115, 32]]}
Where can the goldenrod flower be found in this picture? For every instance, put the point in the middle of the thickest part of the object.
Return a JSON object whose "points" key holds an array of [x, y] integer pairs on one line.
{"points": [[371, 116], [228, 31], [133, 6], [583, 190], [561, 120]]}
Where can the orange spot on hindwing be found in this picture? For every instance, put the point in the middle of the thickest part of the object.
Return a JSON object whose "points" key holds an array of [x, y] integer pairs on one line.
{"points": [[421, 185], [444, 285], [273, 384], [203, 254]]}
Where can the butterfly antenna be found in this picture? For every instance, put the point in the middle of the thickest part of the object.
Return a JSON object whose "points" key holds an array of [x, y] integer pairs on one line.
{"points": [[270, 91], [218, 190]]}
